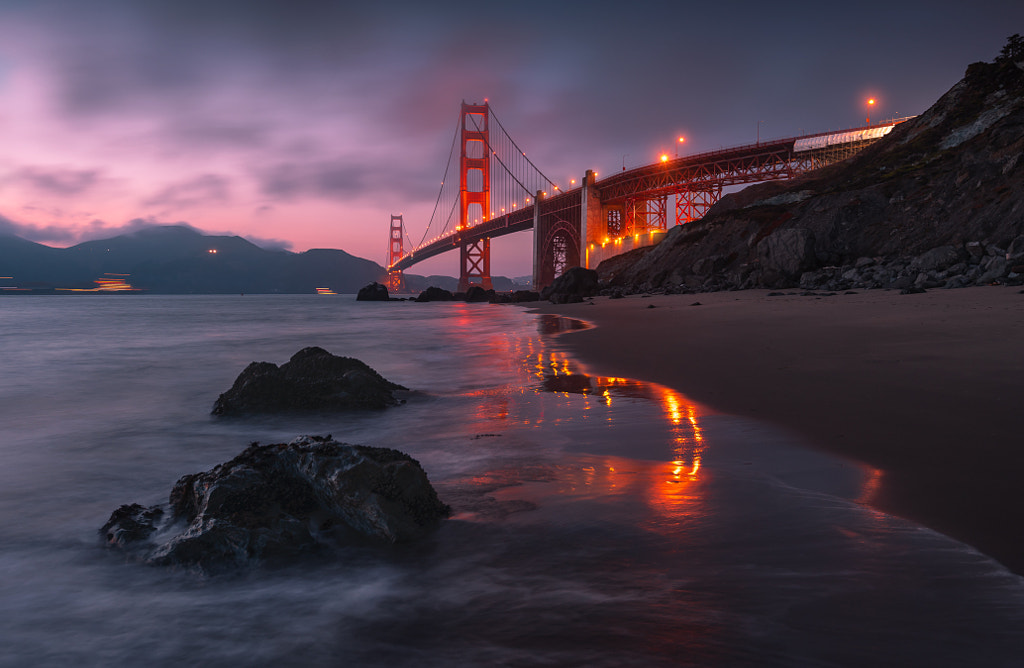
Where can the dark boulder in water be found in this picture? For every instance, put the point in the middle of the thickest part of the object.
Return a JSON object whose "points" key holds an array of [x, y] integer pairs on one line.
{"points": [[374, 292], [280, 501], [520, 296], [435, 294], [312, 380], [475, 293]]}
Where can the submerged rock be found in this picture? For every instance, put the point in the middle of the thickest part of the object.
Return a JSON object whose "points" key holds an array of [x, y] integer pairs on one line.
{"points": [[312, 380], [281, 500]]}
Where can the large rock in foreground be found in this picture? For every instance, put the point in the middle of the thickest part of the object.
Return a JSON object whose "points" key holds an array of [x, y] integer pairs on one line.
{"points": [[312, 380], [279, 501]]}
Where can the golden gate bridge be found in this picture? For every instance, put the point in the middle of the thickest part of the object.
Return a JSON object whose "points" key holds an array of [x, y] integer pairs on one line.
{"points": [[500, 191]]}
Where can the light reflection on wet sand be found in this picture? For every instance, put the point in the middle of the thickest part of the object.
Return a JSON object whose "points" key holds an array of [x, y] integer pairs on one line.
{"points": [[647, 453]]}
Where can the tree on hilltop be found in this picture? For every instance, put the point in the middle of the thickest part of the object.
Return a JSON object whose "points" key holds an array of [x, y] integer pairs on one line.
{"points": [[1013, 51]]}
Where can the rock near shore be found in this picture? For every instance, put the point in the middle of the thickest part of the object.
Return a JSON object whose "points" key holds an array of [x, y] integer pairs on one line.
{"points": [[280, 501], [312, 380], [576, 284], [374, 292]]}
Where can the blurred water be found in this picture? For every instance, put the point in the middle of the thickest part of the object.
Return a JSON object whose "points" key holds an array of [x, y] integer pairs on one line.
{"points": [[598, 521]]}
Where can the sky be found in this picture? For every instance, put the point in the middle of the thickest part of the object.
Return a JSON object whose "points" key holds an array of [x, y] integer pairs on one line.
{"points": [[305, 124]]}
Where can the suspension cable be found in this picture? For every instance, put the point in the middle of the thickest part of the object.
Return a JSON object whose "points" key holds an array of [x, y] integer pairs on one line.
{"points": [[521, 151], [500, 161], [444, 180]]}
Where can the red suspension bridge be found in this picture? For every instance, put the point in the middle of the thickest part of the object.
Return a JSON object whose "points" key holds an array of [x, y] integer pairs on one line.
{"points": [[500, 191]]}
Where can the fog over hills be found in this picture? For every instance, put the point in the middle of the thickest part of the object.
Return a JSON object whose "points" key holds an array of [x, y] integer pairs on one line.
{"points": [[179, 260]]}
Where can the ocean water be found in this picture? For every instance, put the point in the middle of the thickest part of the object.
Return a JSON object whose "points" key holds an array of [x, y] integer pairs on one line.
{"points": [[597, 521]]}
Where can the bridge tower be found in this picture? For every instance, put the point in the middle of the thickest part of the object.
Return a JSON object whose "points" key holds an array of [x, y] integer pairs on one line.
{"points": [[475, 194], [396, 279]]}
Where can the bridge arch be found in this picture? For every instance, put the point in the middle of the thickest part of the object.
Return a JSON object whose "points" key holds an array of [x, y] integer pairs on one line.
{"points": [[559, 251], [557, 236]]}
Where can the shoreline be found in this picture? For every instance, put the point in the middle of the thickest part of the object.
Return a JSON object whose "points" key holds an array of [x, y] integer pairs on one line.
{"points": [[926, 387]]}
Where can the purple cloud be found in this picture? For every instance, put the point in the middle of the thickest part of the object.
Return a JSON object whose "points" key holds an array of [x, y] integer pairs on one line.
{"points": [[56, 180], [202, 190]]}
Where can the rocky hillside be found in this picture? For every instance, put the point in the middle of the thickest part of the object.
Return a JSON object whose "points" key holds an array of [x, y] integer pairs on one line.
{"points": [[939, 202]]}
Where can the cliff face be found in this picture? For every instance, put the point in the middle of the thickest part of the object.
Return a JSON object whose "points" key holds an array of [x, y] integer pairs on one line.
{"points": [[937, 202]]}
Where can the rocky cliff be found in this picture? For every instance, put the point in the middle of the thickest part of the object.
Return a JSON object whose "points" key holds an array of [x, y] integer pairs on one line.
{"points": [[939, 202]]}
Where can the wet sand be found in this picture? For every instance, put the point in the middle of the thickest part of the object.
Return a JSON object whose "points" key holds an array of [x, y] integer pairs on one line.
{"points": [[928, 388]]}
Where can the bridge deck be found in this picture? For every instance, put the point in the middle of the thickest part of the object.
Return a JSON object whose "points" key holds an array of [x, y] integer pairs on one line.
{"points": [[750, 163]]}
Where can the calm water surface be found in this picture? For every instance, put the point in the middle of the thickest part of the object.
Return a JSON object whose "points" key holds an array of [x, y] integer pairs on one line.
{"points": [[597, 521]]}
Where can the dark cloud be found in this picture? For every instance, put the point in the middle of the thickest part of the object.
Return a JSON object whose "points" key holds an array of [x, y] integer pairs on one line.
{"points": [[202, 190], [216, 133], [113, 56], [56, 180], [289, 181], [343, 180]]}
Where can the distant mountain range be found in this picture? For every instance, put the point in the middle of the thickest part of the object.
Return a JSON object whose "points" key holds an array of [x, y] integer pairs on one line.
{"points": [[180, 260]]}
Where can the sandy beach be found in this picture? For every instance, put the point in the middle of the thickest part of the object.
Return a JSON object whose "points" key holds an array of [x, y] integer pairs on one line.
{"points": [[927, 388]]}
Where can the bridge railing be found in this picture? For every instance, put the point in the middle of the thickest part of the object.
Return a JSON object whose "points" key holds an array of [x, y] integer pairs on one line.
{"points": [[766, 144]]}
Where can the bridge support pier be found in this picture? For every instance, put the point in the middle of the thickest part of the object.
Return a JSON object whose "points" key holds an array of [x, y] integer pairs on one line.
{"points": [[396, 279], [475, 194], [693, 204], [475, 265], [592, 218]]}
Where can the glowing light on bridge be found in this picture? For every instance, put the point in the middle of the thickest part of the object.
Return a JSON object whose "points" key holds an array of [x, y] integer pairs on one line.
{"points": [[870, 102], [664, 157]]}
